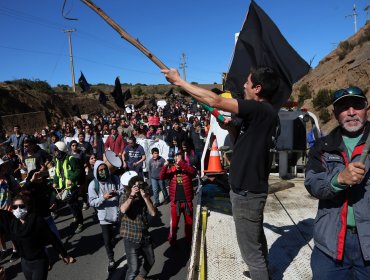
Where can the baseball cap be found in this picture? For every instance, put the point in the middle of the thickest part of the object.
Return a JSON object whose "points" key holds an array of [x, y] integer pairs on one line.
{"points": [[348, 92]]}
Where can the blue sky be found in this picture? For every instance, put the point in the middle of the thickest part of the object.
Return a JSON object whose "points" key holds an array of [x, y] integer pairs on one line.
{"points": [[33, 45]]}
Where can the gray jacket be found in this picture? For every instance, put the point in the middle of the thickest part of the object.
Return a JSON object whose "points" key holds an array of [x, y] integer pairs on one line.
{"points": [[326, 159], [107, 209]]}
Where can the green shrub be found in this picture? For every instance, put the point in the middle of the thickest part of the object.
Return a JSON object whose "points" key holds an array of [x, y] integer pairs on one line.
{"points": [[365, 36], [324, 115], [322, 99], [36, 85], [304, 93], [138, 90], [344, 48]]}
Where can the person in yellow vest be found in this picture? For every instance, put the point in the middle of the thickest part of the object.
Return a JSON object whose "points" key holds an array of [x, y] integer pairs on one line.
{"points": [[67, 172]]}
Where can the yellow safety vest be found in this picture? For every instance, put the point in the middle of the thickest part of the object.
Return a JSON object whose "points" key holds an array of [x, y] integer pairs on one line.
{"points": [[66, 167]]}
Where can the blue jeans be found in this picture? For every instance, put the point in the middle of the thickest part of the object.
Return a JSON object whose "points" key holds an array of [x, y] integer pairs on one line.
{"points": [[248, 218], [52, 226], [353, 265], [157, 186], [133, 252]]}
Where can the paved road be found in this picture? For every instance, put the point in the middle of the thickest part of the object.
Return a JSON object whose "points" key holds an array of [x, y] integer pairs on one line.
{"points": [[87, 247]]}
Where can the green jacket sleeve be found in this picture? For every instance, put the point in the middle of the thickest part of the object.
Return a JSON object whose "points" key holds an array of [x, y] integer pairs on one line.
{"points": [[75, 171]]}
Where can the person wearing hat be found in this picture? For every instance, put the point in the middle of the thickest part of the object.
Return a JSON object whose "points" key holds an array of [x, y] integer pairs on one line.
{"points": [[335, 175], [180, 175]]}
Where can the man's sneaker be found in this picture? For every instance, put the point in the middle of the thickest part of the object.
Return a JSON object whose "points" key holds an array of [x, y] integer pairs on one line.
{"points": [[111, 265], [3, 254], [85, 206], [79, 228], [167, 200], [14, 256]]}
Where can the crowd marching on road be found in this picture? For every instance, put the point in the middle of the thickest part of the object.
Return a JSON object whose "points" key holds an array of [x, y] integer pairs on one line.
{"points": [[69, 164], [128, 165]]}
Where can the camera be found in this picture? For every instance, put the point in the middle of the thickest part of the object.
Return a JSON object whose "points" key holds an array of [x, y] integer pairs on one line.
{"points": [[144, 186]]}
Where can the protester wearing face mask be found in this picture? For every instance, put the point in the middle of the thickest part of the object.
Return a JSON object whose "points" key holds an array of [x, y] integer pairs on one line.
{"points": [[31, 234], [104, 192]]}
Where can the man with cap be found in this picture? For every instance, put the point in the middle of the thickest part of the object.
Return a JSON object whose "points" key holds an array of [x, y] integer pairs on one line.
{"points": [[67, 172], [335, 175]]}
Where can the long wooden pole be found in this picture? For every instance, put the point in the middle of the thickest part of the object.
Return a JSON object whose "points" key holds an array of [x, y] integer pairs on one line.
{"points": [[143, 49], [125, 35]]}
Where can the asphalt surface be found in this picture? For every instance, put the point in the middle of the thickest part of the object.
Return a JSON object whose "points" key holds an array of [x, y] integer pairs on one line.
{"points": [[88, 248]]}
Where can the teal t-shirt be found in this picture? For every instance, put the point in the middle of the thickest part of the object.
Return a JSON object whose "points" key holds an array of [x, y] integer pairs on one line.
{"points": [[350, 144]]}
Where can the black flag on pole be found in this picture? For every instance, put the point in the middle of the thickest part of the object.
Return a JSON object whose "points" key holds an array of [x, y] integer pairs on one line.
{"points": [[260, 43], [84, 85], [127, 94], [117, 94], [103, 98]]}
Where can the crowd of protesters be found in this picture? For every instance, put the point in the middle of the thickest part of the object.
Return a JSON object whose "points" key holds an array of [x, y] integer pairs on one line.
{"points": [[75, 150]]}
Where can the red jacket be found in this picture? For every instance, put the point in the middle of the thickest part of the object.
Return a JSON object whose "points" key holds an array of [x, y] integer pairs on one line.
{"points": [[117, 145], [188, 172]]}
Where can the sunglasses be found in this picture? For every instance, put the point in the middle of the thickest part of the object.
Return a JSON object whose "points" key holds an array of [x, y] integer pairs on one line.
{"points": [[16, 206], [353, 91]]}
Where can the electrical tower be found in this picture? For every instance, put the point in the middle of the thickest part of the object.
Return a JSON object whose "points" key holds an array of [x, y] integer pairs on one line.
{"points": [[354, 15], [68, 31], [183, 65]]}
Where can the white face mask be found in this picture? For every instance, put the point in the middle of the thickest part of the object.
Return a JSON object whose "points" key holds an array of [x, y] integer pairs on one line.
{"points": [[20, 213]]}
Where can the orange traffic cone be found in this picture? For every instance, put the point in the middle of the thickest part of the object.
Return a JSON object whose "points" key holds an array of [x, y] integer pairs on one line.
{"points": [[214, 163]]}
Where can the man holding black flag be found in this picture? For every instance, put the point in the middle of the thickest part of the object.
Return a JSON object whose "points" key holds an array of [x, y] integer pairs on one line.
{"points": [[250, 166], [261, 76]]}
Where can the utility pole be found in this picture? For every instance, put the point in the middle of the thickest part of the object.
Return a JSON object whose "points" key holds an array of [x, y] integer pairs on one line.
{"points": [[183, 65], [68, 31], [366, 9], [354, 15]]}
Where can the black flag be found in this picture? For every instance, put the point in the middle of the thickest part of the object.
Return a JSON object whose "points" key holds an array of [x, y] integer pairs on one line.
{"points": [[117, 88], [140, 104], [260, 43], [127, 94], [169, 93], [102, 98], [83, 83], [76, 110], [117, 94]]}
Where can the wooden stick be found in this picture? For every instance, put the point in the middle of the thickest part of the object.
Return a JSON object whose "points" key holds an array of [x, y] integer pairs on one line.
{"points": [[144, 50], [125, 35], [365, 150]]}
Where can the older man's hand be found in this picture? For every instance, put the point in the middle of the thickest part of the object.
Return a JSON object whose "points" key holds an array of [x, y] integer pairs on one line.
{"points": [[353, 174]]}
